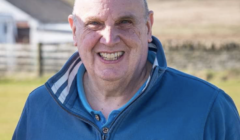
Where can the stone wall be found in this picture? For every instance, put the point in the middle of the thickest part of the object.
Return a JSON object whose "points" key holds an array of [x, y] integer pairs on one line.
{"points": [[196, 56]]}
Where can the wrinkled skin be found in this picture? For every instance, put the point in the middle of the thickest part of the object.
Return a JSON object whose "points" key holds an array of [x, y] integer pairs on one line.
{"points": [[109, 26]]}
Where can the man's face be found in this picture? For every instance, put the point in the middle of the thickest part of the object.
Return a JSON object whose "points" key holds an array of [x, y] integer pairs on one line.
{"points": [[112, 37]]}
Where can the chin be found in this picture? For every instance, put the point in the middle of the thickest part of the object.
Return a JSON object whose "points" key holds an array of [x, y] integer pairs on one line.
{"points": [[111, 76]]}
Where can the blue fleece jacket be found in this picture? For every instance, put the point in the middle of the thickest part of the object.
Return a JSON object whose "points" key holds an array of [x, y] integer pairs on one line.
{"points": [[172, 106]]}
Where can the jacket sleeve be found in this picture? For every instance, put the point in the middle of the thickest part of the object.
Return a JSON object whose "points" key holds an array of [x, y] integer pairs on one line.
{"points": [[20, 132], [223, 121]]}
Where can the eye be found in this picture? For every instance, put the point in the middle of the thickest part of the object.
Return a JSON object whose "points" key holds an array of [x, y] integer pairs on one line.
{"points": [[94, 25], [125, 22]]}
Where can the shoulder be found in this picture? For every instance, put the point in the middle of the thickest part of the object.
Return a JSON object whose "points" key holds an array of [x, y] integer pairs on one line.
{"points": [[188, 92], [40, 91], [223, 117], [189, 81], [208, 101], [224, 104], [38, 97]]}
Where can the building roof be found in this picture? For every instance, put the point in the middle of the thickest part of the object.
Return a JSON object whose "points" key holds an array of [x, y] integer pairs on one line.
{"points": [[8, 9], [45, 11]]}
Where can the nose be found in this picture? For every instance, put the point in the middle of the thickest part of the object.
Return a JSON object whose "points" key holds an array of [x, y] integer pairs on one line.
{"points": [[109, 36]]}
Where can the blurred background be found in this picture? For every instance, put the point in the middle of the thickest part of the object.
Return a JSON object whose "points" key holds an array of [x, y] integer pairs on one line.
{"points": [[200, 37]]}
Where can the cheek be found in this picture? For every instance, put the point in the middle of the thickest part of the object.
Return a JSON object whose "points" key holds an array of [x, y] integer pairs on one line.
{"points": [[130, 37], [87, 40], [86, 44], [136, 39], [131, 32]]}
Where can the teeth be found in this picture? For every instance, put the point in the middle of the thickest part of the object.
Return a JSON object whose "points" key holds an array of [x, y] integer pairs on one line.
{"points": [[111, 56]]}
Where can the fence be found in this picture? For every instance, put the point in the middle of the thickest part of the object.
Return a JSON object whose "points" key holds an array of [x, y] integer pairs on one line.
{"points": [[45, 58], [16, 58], [49, 58]]}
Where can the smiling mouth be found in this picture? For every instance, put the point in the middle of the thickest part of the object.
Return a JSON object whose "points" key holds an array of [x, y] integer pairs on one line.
{"points": [[111, 56]]}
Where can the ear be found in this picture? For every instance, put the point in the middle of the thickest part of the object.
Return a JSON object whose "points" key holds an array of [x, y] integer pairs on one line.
{"points": [[73, 27], [149, 25]]}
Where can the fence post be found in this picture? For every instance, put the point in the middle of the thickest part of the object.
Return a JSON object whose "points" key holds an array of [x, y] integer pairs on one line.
{"points": [[11, 64], [40, 63]]}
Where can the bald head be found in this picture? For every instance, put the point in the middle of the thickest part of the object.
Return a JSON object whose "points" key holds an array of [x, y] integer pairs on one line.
{"points": [[146, 7], [144, 2]]}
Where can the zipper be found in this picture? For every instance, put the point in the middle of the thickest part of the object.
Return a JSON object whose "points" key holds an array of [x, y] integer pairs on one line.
{"points": [[78, 116], [103, 136]]}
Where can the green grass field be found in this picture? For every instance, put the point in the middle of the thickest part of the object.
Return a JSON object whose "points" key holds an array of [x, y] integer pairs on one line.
{"points": [[13, 95]]}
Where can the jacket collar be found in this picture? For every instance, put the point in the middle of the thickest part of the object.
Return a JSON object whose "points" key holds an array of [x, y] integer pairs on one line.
{"points": [[63, 84]]}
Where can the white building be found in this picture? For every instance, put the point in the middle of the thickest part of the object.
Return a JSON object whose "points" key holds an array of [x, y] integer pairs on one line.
{"points": [[8, 30], [35, 21]]}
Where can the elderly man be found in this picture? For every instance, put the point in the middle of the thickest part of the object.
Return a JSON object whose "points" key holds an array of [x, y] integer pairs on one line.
{"points": [[118, 86]]}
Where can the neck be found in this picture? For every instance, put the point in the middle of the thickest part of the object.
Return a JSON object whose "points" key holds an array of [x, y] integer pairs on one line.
{"points": [[115, 93]]}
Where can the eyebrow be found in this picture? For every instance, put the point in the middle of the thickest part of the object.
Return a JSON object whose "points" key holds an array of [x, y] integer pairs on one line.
{"points": [[92, 19], [127, 17]]}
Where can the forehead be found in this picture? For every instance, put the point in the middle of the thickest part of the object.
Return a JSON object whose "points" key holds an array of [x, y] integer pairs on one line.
{"points": [[106, 8]]}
